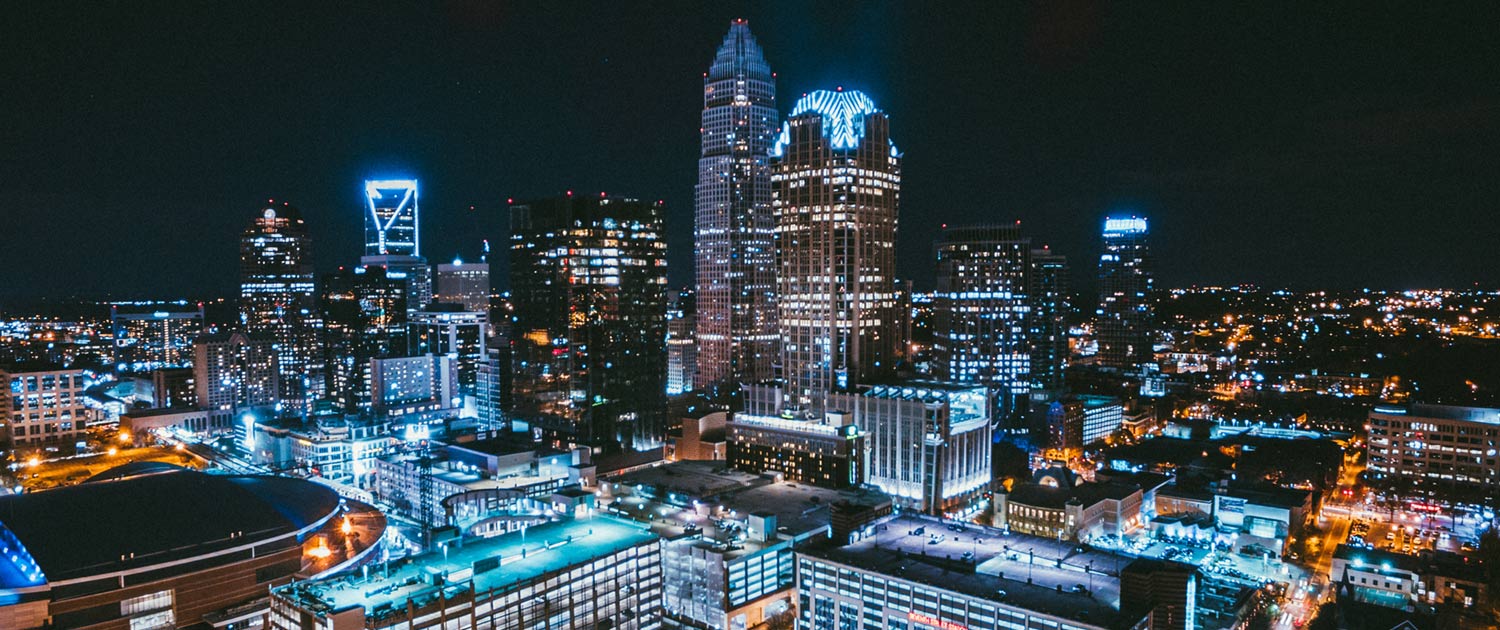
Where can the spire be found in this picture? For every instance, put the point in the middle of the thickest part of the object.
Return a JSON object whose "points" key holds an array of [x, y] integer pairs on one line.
{"points": [[739, 54]]}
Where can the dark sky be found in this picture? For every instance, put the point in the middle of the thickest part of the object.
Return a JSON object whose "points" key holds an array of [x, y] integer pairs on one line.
{"points": [[1316, 148]]}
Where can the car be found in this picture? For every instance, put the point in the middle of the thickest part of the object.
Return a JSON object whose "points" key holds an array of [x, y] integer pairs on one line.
{"points": [[1390, 535]]}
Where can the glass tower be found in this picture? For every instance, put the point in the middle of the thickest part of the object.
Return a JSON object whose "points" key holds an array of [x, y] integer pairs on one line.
{"points": [[836, 178], [278, 299], [734, 229], [589, 327], [391, 218], [1122, 324]]}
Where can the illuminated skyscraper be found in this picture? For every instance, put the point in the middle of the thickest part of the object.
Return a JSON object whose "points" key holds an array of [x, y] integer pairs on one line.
{"points": [[734, 229], [153, 335], [1122, 324], [982, 310], [278, 299], [836, 179], [393, 237], [682, 351], [1048, 292], [589, 326]]}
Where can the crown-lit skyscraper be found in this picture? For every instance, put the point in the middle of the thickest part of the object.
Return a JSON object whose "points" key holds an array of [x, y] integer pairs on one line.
{"points": [[836, 179], [393, 237], [1122, 323], [278, 298], [734, 229]]}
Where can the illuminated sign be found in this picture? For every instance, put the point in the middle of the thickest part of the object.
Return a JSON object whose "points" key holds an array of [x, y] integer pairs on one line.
{"points": [[1424, 507], [917, 617], [1127, 226]]}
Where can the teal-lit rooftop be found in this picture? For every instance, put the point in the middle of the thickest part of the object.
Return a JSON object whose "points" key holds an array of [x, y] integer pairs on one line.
{"points": [[478, 564]]}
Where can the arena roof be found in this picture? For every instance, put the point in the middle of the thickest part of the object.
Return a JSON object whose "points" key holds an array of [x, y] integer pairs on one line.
{"points": [[140, 516]]}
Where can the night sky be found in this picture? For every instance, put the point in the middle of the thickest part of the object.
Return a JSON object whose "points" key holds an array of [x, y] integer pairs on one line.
{"points": [[1322, 148]]}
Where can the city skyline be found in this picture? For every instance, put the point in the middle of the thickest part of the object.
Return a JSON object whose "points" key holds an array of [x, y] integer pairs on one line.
{"points": [[1254, 166]]}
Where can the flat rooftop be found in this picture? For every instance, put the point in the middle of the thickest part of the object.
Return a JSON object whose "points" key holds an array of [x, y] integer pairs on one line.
{"points": [[1440, 412], [996, 574], [517, 558]]}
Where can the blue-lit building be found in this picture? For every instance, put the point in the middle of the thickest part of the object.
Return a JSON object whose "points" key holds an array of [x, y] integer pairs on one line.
{"points": [[393, 237], [836, 183], [1122, 323], [734, 231]]}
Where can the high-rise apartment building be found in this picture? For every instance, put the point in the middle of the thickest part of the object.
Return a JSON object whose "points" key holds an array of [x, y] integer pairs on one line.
{"points": [[734, 229], [589, 333], [364, 317], [682, 349], [278, 298], [236, 371], [464, 283], [393, 237], [836, 179], [1122, 323], [148, 336], [982, 310]]}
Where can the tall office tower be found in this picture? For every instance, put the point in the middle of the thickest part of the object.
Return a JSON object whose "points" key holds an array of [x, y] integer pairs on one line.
{"points": [[392, 237], [364, 317], [682, 350], [1047, 288], [449, 330], [149, 336], [1168, 590], [1122, 324], [278, 299], [982, 310], [734, 230], [464, 283], [836, 178], [236, 371], [589, 322]]}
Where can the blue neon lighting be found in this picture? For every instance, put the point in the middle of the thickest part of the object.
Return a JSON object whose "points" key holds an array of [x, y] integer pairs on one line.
{"points": [[843, 115], [1131, 225], [406, 189]]}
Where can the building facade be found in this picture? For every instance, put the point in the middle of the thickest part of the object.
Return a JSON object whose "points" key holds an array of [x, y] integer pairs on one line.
{"points": [[682, 347], [734, 230], [982, 310], [236, 371], [836, 182], [929, 444], [403, 385], [364, 318], [41, 406], [464, 283], [1047, 287], [448, 330], [827, 454], [1439, 451], [151, 336], [1123, 321], [393, 237], [589, 339], [278, 299]]}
